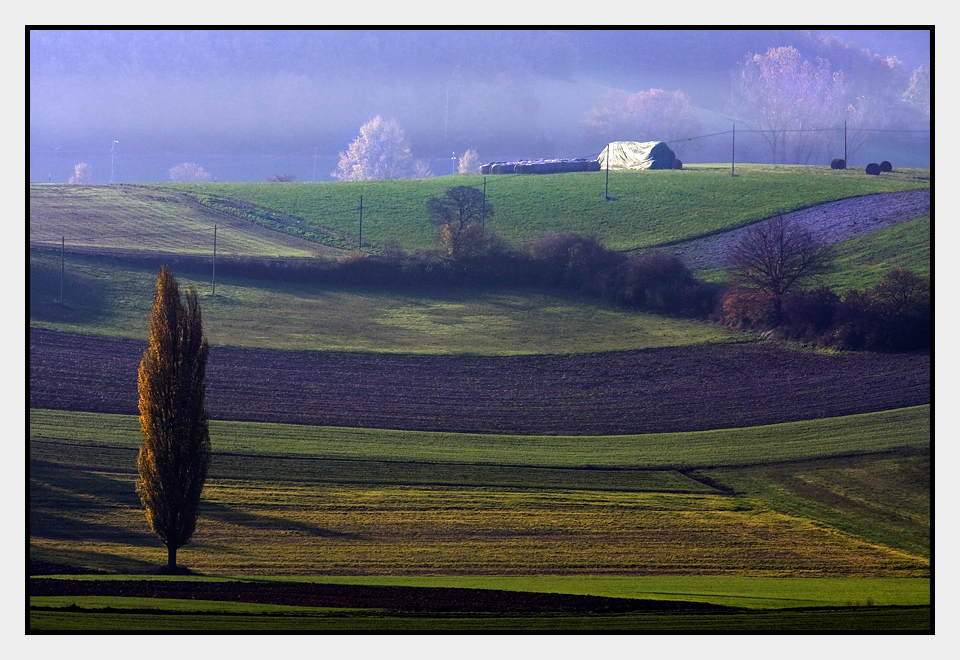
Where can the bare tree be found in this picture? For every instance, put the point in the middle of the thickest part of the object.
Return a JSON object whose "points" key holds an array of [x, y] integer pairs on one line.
{"points": [[776, 257], [380, 151], [791, 100], [459, 216], [82, 174]]}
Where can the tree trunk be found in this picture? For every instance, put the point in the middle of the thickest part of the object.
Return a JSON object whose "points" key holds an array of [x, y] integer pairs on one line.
{"points": [[171, 557], [777, 311]]}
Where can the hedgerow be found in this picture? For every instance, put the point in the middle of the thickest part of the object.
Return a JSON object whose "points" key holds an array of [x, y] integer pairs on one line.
{"points": [[892, 316]]}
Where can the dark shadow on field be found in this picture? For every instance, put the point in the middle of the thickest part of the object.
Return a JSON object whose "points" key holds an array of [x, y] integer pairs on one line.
{"points": [[74, 487], [55, 527], [301, 469], [83, 561], [58, 493], [227, 514], [83, 297]]}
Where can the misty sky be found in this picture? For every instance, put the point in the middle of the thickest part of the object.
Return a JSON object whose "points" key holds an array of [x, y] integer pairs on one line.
{"points": [[250, 104]]}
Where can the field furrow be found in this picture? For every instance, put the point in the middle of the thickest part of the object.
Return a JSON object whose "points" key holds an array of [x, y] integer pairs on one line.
{"points": [[625, 392]]}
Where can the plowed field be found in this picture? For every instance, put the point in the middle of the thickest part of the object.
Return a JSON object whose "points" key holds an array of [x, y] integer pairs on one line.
{"points": [[398, 599], [652, 391]]}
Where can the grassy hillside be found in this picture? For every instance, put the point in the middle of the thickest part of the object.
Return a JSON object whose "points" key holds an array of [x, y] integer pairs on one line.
{"points": [[281, 500], [105, 298], [647, 208], [823, 513], [860, 262], [795, 441], [138, 218]]}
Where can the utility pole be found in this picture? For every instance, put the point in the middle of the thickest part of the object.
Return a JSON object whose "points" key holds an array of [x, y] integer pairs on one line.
{"points": [[214, 261], [114, 144], [483, 207], [844, 144], [733, 153], [606, 185]]}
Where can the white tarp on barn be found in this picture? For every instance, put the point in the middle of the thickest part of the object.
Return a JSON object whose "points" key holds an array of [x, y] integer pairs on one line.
{"points": [[637, 156]]}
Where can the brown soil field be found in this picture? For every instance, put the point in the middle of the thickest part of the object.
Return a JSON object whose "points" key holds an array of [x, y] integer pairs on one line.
{"points": [[396, 599], [650, 391]]}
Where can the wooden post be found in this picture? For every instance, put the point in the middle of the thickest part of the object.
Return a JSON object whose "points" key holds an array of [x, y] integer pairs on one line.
{"points": [[483, 208], [733, 153], [606, 184], [214, 260], [844, 145]]}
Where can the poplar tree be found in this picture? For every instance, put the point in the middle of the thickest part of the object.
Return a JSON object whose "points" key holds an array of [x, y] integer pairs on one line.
{"points": [[174, 425]]}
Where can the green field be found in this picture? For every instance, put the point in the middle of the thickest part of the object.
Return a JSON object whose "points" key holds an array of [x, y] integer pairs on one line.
{"points": [[859, 263], [386, 510], [139, 218], [872, 432], [648, 208], [118, 614], [349, 502], [110, 299], [809, 526], [862, 261]]}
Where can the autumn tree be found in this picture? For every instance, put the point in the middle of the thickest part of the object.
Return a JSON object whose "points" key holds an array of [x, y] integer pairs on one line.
{"points": [[188, 173], [82, 174], [380, 151], [459, 217], [791, 100], [775, 258], [175, 451]]}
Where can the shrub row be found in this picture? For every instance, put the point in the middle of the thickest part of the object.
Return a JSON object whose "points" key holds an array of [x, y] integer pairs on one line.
{"points": [[892, 316], [653, 280]]}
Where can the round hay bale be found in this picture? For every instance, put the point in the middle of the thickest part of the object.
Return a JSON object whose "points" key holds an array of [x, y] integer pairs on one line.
{"points": [[873, 168], [677, 164], [885, 166]]}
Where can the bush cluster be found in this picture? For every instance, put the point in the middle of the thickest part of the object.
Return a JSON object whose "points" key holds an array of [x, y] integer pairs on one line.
{"points": [[652, 280], [892, 316]]}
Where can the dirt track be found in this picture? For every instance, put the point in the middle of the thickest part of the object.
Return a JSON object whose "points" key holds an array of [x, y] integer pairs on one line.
{"points": [[830, 223]]}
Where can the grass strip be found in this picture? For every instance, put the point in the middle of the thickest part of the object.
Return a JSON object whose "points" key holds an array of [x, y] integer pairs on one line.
{"points": [[854, 434]]}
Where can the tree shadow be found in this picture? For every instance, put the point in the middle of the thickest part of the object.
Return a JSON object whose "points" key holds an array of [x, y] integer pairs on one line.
{"points": [[81, 300], [66, 561], [227, 514]]}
